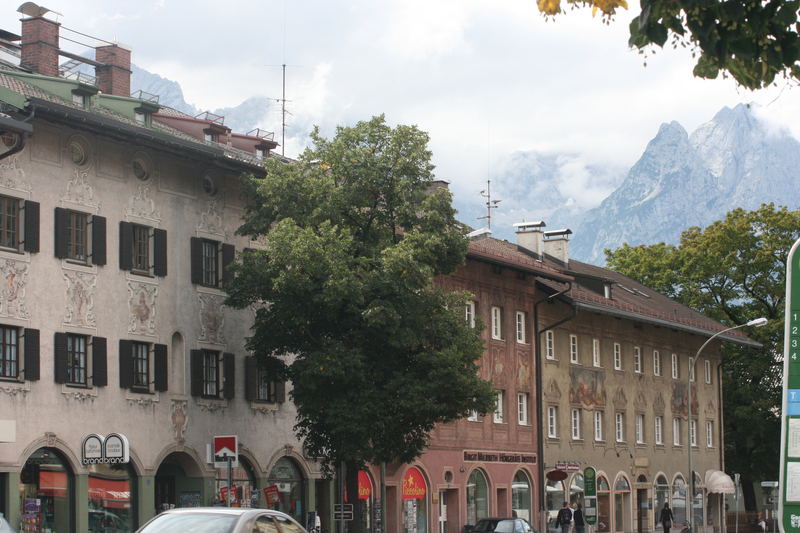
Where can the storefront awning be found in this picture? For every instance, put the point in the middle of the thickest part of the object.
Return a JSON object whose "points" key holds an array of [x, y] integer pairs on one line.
{"points": [[719, 482]]}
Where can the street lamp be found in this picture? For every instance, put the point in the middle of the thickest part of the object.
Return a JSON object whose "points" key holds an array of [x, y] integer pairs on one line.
{"points": [[757, 322]]}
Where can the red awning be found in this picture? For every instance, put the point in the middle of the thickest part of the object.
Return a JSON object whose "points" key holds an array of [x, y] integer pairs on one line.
{"points": [[414, 486], [52, 484], [113, 493]]}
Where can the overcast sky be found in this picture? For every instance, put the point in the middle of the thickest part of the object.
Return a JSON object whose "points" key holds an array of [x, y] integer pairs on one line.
{"points": [[485, 79]]}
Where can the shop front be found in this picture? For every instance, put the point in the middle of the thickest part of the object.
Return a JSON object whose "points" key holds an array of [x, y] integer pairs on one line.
{"points": [[522, 496], [46, 493], [245, 487], [414, 496], [111, 496], [286, 487]]}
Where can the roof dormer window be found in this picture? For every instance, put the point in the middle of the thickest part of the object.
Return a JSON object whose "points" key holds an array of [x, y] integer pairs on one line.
{"points": [[210, 137], [260, 153], [140, 117], [79, 99]]}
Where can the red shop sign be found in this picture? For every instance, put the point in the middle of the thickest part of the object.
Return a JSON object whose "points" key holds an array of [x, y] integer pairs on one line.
{"points": [[272, 495], [364, 486], [414, 487]]}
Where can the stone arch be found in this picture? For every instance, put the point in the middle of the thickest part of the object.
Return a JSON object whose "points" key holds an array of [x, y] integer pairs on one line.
{"points": [[188, 459], [53, 442], [290, 452]]}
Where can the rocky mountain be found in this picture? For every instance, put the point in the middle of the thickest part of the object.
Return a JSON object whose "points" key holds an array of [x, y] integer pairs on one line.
{"points": [[683, 180]]}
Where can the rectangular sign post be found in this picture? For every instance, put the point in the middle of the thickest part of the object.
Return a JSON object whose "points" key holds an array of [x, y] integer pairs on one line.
{"points": [[590, 495], [789, 484], [226, 454]]}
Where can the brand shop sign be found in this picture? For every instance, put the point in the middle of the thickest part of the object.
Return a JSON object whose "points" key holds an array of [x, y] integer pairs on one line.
{"points": [[99, 449], [498, 457]]}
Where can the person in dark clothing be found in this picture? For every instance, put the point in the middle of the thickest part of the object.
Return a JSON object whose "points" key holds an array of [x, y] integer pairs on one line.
{"points": [[665, 517], [577, 517], [564, 518]]}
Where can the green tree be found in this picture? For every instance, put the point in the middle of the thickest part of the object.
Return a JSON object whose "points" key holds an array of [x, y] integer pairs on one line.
{"points": [[753, 41], [734, 270], [347, 306]]}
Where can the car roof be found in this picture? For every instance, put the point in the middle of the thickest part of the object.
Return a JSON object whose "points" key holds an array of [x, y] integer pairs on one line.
{"points": [[224, 510]]}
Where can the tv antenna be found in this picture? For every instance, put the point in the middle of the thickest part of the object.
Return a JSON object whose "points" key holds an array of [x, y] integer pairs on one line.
{"points": [[283, 101], [490, 204]]}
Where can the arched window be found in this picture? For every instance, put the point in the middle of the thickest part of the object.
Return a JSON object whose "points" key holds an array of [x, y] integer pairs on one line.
{"points": [[622, 504], [477, 497], [678, 497], [288, 478], [245, 490], [415, 502], [603, 505], [661, 494], [521, 496], [45, 492], [576, 489], [111, 491], [697, 502]]}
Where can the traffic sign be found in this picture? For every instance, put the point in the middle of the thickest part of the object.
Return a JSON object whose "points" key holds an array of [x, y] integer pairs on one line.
{"points": [[226, 446], [789, 484]]}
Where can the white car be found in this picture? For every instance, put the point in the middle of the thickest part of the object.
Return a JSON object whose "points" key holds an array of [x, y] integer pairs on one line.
{"points": [[222, 520]]}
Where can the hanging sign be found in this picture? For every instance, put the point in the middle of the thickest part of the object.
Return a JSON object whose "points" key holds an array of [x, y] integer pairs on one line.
{"points": [[364, 486], [97, 449], [226, 446]]}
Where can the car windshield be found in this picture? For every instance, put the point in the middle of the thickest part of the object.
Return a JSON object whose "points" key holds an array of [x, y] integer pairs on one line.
{"points": [[485, 526], [504, 526], [194, 522]]}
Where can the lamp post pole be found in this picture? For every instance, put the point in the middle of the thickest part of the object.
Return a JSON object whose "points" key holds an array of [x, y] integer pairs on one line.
{"points": [[689, 500]]}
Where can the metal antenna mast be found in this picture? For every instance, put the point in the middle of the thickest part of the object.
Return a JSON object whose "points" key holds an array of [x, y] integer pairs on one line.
{"points": [[490, 204]]}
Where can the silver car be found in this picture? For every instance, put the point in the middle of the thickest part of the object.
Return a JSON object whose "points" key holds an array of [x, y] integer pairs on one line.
{"points": [[222, 520]]}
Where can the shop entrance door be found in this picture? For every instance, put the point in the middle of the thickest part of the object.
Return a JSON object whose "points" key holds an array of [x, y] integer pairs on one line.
{"points": [[165, 493], [641, 514], [442, 512]]}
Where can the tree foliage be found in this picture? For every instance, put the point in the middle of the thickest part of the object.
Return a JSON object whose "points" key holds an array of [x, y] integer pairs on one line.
{"points": [[734, 271], [355, 234], [752, 40]]}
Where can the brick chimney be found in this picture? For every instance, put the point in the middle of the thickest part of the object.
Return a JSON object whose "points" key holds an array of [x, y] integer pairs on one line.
{"points": [[556, 244], [39, 46], [530, 235], [114, 76]]}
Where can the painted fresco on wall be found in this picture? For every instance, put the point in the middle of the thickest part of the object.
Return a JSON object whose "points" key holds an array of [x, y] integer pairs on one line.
{"points": [[587, 388], [680, 399]]}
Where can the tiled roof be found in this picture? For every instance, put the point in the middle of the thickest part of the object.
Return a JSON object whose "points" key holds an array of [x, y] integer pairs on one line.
{"points": [[510, 254]]}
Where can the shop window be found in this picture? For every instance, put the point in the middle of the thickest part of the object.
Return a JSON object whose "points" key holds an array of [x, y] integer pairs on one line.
{"points": [[111, 491], [661, 494], [521, 493], [477, 497], [554, 499], [291, 484], [209, 262], [80, 360], [142, 249], [603, 505], [80, 237], [213, 374], [245, 488], [678, 500], [143, 366], [45, 493], [19, 224], [576, 489], [622, 504]]}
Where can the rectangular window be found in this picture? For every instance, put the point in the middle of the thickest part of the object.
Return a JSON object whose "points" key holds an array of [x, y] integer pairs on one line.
{"points": [[9, 222], [598, 426], [709, 434], [675, 369], [77, 362], [469, 314], [656, 363], [210, 251], [141, 248], [637, 359], [77, 247], [265, 390], [522, 408], [659, 430], [141, 365], [472, 416], [499, 411], [211, 374], [707, 370], [549, 342], [79, 99], [691, 370], [693, 432], [576, 424], [139, 117], [552, 422], [596, 352], [520, 327], [573, 349], [639, 428], [617, 356], [9, 352], [676, 431], [619, 427]]}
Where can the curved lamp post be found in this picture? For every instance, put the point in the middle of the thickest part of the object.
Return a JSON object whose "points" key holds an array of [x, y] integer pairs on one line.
{"points": [[757, 322]]}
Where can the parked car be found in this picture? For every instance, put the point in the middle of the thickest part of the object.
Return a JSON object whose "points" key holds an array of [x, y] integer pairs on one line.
{"points": [[222, 520], [502, 525]]}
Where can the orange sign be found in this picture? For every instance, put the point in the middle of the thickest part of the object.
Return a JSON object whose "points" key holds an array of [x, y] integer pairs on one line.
{"points": [[414, 487], [364, 486]]}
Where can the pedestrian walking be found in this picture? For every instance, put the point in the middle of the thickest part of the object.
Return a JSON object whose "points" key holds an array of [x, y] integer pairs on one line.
{"points": [[564, 518], [665, 518], [577, 518]]}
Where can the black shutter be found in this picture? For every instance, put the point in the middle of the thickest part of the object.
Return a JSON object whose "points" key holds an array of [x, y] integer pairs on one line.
{"points": [[280, 391], [60, 357], [160, 367], [125, 364], [229, 372], [98, 240], [197, 260], [250, 378], [99, 362], [61, 232], [125, 246], [31, 339], [160, 253], [196, 360], [228, 255], [31, 237]]}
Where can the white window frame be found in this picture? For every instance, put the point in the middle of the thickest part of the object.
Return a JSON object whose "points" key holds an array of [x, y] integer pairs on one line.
{"points": [[573, 349], [523, 399], [596, 352], [709, 433], [640, 428], [521, 327], [676, 431], [619, 427], [499, 408], [552, 422], [693, 432], [469, 313], [497, 323], [676, 371], [617, 356], [575, 417], [473, 415], [659, 429], [549, 343], [707, 369], [656, 363], [598, 426], [637, 359]]}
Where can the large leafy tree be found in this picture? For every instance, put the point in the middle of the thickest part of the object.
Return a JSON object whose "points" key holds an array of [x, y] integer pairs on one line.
{"points": [[355, 234], [733, 270], [752, 40]]}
